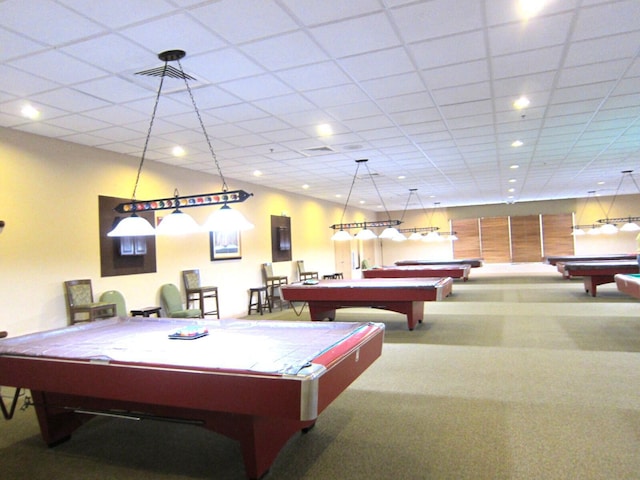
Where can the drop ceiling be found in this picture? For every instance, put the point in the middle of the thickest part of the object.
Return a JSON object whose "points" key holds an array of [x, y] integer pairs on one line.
{"points": [[422, 89]]}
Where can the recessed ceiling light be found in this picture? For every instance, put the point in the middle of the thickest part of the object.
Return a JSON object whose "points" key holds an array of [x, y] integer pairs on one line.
{"points": [[305, 186], [338, 195], [530, 8], [324, 130], [512, 180], [401, 177], [600, 182], [178, 151], [522, 102], [511, 190], [517, 143], [30, 112], [513, 167], [257, 173], [362, 202]]}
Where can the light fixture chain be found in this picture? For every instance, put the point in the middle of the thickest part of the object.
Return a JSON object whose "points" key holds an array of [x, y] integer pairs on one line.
{"points": [[204, 131], [378, 191], [355, 175], [146, 142]]}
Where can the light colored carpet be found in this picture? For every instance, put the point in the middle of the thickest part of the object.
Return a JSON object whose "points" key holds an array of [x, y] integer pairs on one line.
{"points": [[518, 375]]}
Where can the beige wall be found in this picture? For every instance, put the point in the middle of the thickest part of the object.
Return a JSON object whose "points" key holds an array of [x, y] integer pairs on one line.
{"points": [[49, 200]]}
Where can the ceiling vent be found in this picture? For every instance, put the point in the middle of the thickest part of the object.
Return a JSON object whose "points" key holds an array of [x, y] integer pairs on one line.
{"points": [[309, 152]]}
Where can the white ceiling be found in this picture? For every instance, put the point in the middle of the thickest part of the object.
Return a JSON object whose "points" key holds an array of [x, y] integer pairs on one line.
{"points": [[422, 88]]}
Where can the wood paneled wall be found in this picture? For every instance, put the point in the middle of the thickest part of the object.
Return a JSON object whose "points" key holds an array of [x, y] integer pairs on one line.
{"points": [[556, 234], [525, 239], [468, 233], [495, 239]]}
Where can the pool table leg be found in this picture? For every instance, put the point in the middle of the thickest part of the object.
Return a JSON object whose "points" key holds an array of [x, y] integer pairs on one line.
{"points": [[320, 312], [261, 438], [56, 423]]}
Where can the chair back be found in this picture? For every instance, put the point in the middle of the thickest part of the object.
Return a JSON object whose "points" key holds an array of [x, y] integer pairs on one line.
{"points": [[171, 299], [267, 270], [78, 292], [114, 296], [300, 264], [191, 278]]}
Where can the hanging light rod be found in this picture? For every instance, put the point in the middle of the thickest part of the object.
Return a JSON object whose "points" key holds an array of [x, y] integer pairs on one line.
{"points": [[608, 225], [185, 201], [365, 234], [381, 223], [178, 222]]}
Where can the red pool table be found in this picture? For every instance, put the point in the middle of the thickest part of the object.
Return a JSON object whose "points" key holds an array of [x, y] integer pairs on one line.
{"points": [[404, 271], [628, 283], [555, 259], [258, 382], [402, 295], [474, 262], [597, 272]]}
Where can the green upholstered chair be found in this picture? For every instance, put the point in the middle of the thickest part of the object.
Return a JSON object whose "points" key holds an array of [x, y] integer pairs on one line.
{"points": [[172, 303], [114, 296], [82, 308], [303, 274]]}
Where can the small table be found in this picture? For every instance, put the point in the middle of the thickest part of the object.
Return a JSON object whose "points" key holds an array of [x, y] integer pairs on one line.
{"points": [[146, 312]]}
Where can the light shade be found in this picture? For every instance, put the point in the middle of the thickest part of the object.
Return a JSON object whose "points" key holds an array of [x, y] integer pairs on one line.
{"points": [[609, 229], [630, 227], [415, 236], [366, 234], [432, 236], [390, 233], [577, 232], [226, 219], [594, 231], [341, 235], [133, 226], [177, 223]]}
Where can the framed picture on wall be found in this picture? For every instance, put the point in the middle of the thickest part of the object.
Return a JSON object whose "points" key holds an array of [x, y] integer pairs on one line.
{"points": [[225, 245]]}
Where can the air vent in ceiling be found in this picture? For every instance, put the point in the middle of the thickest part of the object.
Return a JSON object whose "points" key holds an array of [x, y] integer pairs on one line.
{"points": [[309, 152]]}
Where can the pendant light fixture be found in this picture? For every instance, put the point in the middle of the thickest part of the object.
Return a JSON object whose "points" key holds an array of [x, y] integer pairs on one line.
{"points": [[178, 222], [365, 234], [629, 223]]}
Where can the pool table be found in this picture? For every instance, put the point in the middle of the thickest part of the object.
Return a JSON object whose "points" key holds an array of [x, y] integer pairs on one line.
{"points": [[474, 262], [628, 283], [258, 382], [554, 259], [597, 272], [402, 295], [404, 271]]}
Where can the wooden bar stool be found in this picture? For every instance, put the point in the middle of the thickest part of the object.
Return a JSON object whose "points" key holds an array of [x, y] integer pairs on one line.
{"points": [[196, 293], [258, 300]]}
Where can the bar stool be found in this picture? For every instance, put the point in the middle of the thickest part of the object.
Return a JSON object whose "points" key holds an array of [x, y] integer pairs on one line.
{"points": [[259, 300]]}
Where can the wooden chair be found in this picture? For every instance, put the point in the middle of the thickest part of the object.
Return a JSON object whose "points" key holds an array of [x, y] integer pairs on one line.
{"points": [[172, 303], [197, 293], [273, 283], [82, 308], [303, 274]]}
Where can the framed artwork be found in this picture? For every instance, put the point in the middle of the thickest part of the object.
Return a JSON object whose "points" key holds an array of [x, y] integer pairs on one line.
{"points": [[225, 245]]}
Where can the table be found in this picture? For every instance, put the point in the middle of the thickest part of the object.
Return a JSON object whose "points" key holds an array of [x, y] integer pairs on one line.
{"points": [[146, 312], [474, 262], [258, 382], [628, 283], [404, 271], [597, 272], [402, 295], [554, 259]]}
